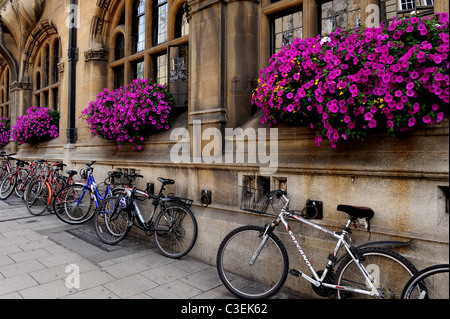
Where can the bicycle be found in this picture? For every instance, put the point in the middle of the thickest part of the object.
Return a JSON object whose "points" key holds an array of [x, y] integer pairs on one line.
{"points": [[174, 229], [9, 182], [429, 283], [73, 203], [252, 261], [39, 193], [6, 167], [28, 175]]}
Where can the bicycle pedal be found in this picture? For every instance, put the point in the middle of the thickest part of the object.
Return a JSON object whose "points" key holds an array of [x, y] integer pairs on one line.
{"points": [[295, 272]]}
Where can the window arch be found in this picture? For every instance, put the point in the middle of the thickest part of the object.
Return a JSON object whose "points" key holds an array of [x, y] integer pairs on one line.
{"points": [[181, 24], [46, 74]]}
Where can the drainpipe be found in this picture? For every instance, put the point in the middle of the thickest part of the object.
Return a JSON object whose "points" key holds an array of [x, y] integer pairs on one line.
{"points": [[72, 58]]}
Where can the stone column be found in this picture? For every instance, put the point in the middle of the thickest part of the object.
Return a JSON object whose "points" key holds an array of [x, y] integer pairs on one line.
{"points": [[223, 64]]}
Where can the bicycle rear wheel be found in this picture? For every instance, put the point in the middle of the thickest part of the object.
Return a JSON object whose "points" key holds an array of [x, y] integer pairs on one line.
{"points": [[73, 204], [429, 283], [265, 277], [175, 231], [37, 197], [390, 270], [111, 223]]}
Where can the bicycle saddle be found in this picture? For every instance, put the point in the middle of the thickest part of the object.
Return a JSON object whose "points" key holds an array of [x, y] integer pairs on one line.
{"points": [[71, 172], [357, 211], [166, 181]]}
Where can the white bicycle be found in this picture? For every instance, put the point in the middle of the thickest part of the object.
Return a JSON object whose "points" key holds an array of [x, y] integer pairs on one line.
{"points": [[253, 262]]}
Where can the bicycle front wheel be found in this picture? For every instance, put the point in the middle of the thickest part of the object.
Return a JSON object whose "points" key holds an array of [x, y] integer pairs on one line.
{"points": [[175, 231], [429, 283], [7, 186], [390, 271], [111, 223], [37, 198], [73, 204], [261, 279]]}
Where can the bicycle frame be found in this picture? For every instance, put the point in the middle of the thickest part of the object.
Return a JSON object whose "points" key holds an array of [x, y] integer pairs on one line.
{"points": [[92, 185], [158, 200], [341, 241]]}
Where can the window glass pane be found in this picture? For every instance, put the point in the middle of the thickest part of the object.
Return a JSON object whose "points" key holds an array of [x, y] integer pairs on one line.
{"points": [[160, 26], [45, 99], [7, 84], [119, 50], [138, 70], [38, 81], [47, 65], [179, 74], [119, 77], [161, 69], [286, 29], [56, 61], [139, 25], [339, 13], [406, 4], [55, 99]]}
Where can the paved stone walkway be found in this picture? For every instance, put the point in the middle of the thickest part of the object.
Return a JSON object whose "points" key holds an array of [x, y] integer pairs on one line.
{"points": [[40, 256]]}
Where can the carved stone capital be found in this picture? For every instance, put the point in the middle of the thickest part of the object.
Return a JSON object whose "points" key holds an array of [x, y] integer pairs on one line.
{"points": [[20, 86], [60, 67], [99, 54]]}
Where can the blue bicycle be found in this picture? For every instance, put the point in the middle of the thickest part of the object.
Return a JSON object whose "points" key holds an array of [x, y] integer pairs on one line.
{"points": [[73, 204]]}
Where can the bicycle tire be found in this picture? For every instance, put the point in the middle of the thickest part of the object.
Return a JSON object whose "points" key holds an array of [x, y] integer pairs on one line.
{"points": [[390, 270], [111, 223], [37, 197], [8, 185], [3, 173], [73, 204], [175, 231], [429, 283], [265, 277]]}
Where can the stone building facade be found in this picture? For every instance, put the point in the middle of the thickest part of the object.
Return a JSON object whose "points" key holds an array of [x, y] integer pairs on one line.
{"points": [[62, 53]]}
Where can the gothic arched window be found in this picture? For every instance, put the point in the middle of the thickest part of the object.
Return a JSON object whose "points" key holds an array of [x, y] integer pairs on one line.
{"points": [[46, 74]]}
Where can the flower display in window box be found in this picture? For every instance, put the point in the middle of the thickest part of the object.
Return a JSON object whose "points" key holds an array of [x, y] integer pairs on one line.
{"points": [[386, 79], [129, 114], [5, 131], [39, 124]]}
